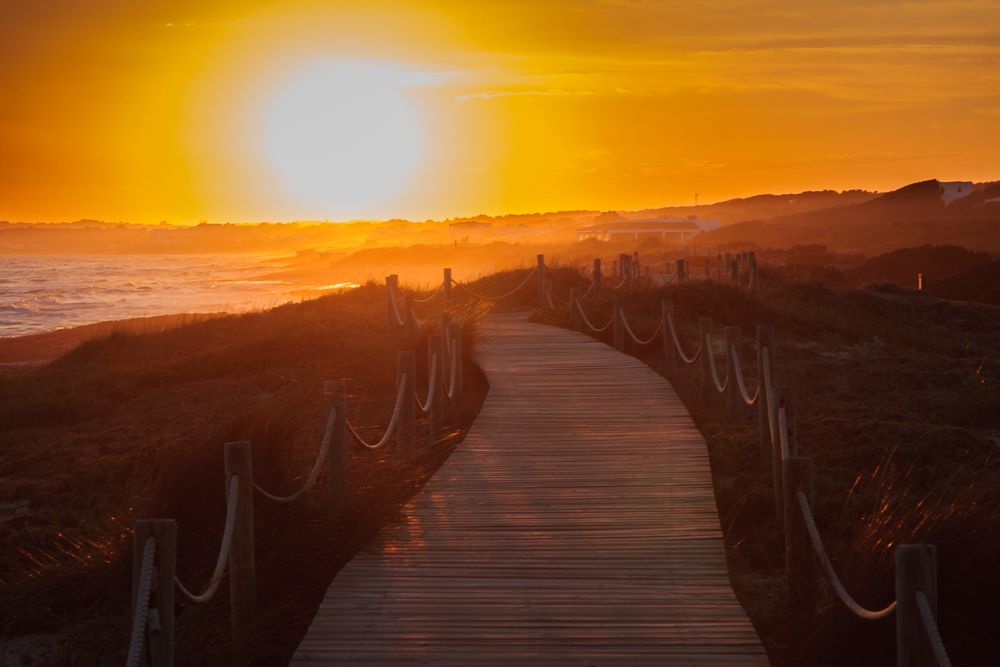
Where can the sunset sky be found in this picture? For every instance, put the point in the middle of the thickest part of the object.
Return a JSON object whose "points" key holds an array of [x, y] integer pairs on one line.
{"points": [[237, 111]]}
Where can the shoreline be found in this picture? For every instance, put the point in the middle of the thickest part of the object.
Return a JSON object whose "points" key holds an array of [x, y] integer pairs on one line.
{"points": [[33, 349]]}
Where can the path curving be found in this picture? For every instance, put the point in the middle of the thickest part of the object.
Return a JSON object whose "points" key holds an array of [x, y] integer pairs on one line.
{"points": [[576, 524]]}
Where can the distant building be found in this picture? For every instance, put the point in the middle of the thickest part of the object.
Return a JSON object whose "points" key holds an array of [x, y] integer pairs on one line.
{"points": [[665, 229], [470, 230], [954, 190]]}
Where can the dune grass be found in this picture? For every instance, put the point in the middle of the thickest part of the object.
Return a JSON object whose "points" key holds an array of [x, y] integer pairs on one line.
{"points": [[897, 396], [132, 425]]}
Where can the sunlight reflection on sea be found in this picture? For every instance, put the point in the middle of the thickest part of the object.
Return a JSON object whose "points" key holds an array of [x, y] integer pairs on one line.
{"points": [[40, 294]]}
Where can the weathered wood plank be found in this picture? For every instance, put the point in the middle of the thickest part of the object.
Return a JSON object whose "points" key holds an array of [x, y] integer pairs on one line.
{"points": [[575, 525]]}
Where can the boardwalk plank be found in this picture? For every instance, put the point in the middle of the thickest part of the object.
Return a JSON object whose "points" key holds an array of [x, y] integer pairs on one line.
{"points": [[576, 524]]}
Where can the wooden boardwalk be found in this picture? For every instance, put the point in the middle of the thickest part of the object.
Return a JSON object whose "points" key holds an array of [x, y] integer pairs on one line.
{"points": [[575, 525]]}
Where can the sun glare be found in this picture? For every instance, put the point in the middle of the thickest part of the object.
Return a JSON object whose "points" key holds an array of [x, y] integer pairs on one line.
{"points": [[344, 136]]}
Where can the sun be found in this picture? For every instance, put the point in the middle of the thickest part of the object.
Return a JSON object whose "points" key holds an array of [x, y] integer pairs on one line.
{"points": [[344, 136]]}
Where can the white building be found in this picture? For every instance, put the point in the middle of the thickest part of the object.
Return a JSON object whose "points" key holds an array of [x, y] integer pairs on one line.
{"points": [[953, 190]]}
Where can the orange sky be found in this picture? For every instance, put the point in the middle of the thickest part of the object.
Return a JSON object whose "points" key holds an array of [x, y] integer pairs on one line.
{"points": [[144, 111]]}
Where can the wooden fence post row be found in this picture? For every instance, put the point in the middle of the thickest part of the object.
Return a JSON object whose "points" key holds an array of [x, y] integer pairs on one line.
{"points": [[446, 287]]}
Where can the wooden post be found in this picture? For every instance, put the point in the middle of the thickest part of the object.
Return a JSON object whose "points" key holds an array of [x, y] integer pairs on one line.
{"points": [[596, 274], [765, 338], [792, 420], [734, 272], [635, 265], [733, 397], [800, 563], [681, 271], [618, 328], [435, 345], [916, 569], [669, 351], [160, 624], [540, 268], [456, 335], [718, 266], [411, 325], [574, 315], [339, 455], [242, 584], [777, 464], [446, 287], [406, 427], [391, 286], [704, 370]]}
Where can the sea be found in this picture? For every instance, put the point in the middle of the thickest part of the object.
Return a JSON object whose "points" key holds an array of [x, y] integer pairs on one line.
{"points": [[45, 293]]}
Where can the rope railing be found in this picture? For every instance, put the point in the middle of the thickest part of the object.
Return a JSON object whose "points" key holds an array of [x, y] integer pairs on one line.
{"points": [[740, 383], [768, 391], [614, 288], [391, 428], [453, 364], [232, 502], [433, 294], [314, 472], [425, 406], [636, 339], [720, 386], [395, 308], [687, 359], [824, 560], [141, 614], [590, 324], [527, 279]]}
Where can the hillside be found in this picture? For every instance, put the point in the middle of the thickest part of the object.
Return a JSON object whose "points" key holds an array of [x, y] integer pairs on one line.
{"points": [[936, 263], [911, 216], [762, 207]]}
